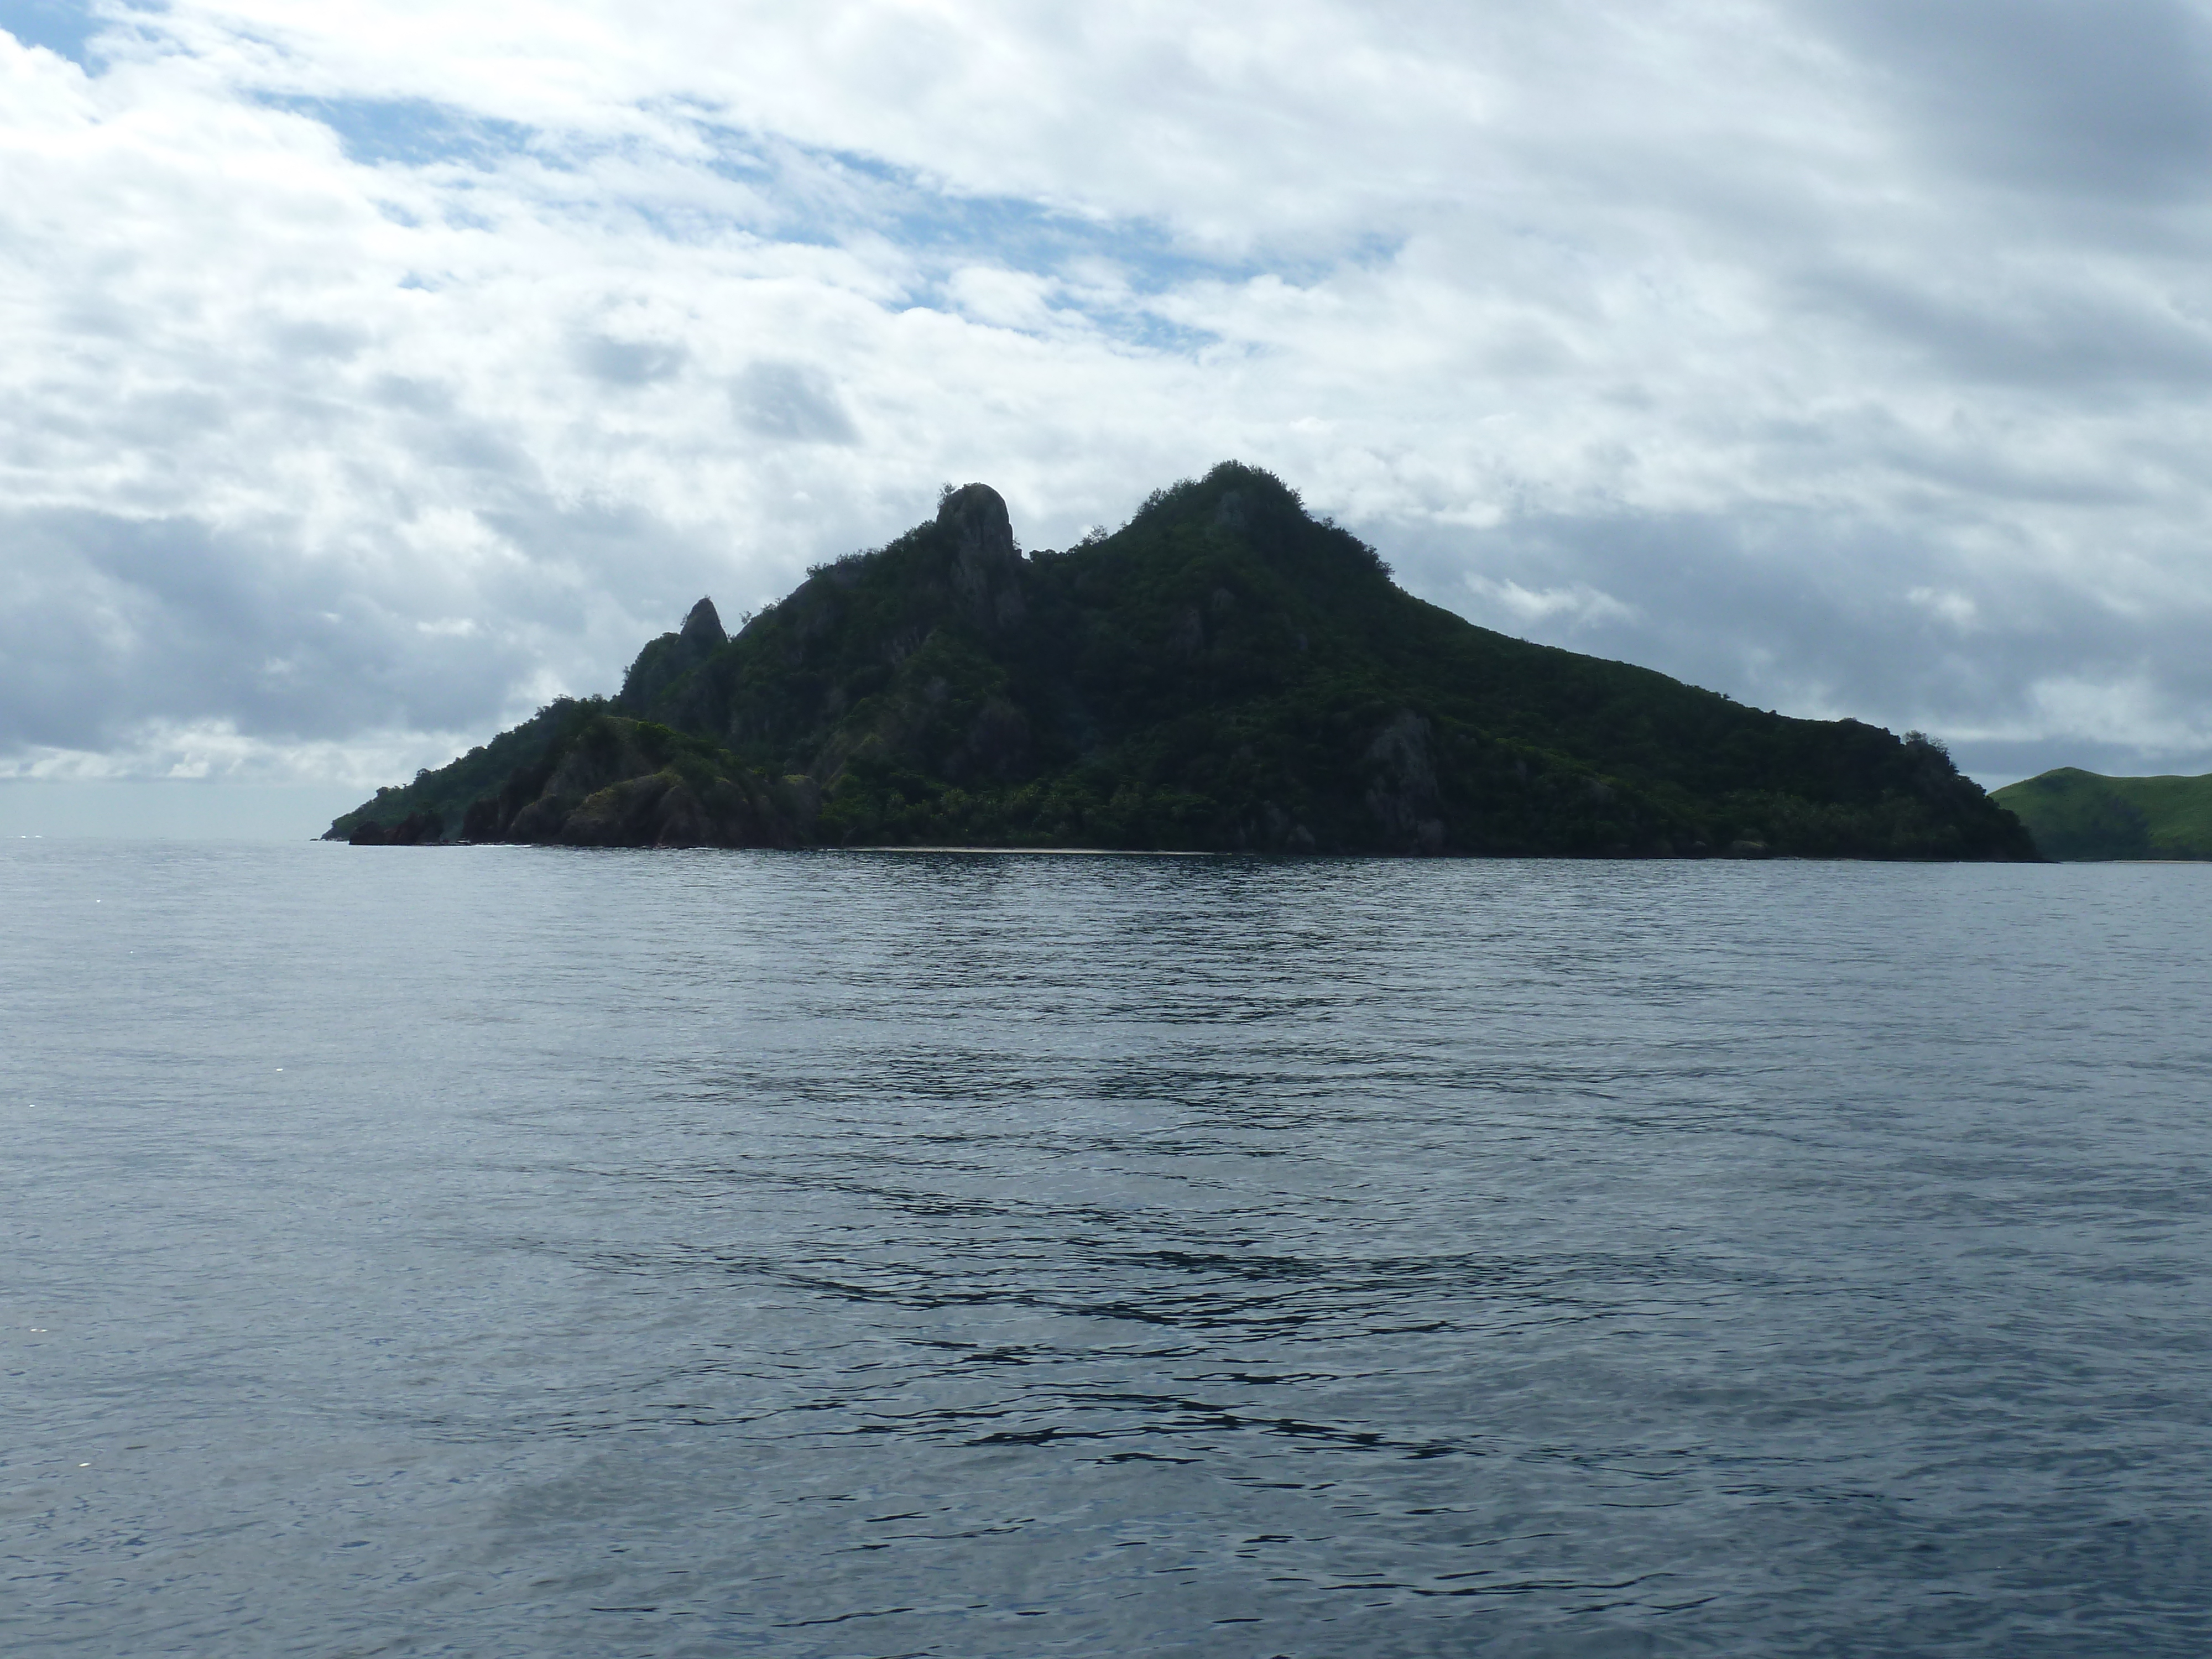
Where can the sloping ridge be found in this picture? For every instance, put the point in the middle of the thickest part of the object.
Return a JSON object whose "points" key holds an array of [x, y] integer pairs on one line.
{"points": [[2078, 816], [1225, 673]]}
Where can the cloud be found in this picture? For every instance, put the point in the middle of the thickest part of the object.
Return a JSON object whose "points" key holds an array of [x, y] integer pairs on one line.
{"points": [[629, 362], [2020, 668], [378, 371], [2046, 96], [790, 402], [1579, 605]]}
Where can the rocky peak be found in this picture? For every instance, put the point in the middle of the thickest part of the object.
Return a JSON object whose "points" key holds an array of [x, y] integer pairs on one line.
{"points": [[986, 567], [667, 660], [703, 626], [975, 514]]}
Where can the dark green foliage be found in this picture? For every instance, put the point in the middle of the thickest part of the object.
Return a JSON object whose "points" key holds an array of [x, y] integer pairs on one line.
{"points": [[1224, 672], [506, 763], [2080, 816], [585, 775]]}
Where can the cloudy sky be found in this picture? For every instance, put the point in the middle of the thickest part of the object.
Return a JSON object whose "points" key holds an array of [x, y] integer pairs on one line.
{"points": [[375, 369]]}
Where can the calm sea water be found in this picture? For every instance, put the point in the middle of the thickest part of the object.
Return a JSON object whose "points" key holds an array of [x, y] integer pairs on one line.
{"points": [[501, 1251]]}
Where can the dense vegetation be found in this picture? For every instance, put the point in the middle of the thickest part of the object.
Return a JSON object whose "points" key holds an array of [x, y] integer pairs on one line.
{"points": [[2079, 815], [1224, 672]]}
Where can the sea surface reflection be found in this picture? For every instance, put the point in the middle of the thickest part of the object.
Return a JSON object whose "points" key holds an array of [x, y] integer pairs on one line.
{"points": [[499, 1251]]}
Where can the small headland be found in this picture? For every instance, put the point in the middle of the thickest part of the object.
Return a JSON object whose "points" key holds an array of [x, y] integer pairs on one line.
{"points": [[2078, 816]]}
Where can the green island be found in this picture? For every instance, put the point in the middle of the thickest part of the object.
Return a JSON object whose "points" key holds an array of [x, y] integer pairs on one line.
{"points": [[2078, 816], [1225, 673]]}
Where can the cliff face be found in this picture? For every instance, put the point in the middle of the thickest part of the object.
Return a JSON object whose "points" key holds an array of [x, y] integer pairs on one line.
{"points": [[1224, 672]]}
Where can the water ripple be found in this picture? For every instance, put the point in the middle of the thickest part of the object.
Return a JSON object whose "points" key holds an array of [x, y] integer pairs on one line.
{"points": [[505, 1251]]}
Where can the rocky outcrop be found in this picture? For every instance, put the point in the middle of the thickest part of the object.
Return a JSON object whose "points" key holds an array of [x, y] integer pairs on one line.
{"points": [[415, 829], [668, 659], [702, 632], [625, 783], [1401, 790], [987, 566]]}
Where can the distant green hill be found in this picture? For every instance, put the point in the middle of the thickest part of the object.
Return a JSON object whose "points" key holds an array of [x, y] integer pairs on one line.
{"points": [[2078, 816], [1224, 672]]}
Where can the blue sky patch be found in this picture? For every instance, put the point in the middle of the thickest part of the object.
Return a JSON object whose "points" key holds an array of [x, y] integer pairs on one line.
{"points": [[60, 28], [1106, 273], [412, 131]]}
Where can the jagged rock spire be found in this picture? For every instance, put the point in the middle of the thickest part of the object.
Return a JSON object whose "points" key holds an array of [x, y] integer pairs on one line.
{"points": [[985, 566], [704, 627], [977, 514]]}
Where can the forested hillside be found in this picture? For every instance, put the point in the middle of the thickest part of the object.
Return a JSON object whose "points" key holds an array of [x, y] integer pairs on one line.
{"points": [[1225, 673]]}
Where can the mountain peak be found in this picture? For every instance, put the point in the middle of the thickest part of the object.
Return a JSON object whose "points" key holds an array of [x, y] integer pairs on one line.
{"points": [[703, 626], [985, 564], [977, 514]]}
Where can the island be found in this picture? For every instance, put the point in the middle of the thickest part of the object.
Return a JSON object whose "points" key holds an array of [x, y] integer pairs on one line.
{"points": [[2078, 816], [1227, 672]]}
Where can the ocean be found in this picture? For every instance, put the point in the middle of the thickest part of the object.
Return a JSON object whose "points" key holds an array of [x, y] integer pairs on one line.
{"points": [[503, 1251]]}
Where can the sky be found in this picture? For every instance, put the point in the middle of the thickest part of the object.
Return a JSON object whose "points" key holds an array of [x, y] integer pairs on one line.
{"points": [[375, 370]]}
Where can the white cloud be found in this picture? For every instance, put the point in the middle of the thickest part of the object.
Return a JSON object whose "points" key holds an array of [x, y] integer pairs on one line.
{"points": [[1956, 608], [211, 751], [378, 368], [1520, 608], [2121, 710]]}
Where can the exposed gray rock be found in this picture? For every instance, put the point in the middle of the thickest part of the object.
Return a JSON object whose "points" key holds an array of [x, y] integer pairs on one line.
{"points": [[1281, 833], [1402, 793], [703, 629], [983, 533], [986, 565]]}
